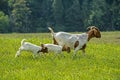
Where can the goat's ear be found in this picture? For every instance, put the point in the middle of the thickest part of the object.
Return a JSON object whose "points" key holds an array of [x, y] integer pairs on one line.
{"points": [[42, 45], [93, 27], [89, 28], [96, 28]]}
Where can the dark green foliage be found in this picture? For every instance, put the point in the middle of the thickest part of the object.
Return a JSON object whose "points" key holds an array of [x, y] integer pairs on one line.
{"points": [[73, 18], [20, 14], [63, 15], [58, 12], [4, 23]]}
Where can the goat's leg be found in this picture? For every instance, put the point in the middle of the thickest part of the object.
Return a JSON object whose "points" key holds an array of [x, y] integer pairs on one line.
{"points": [[75, 51], [34, 54], [55, 55], [83, 49], [18, 52], [83, 52], [68, 50], [62, 55]]}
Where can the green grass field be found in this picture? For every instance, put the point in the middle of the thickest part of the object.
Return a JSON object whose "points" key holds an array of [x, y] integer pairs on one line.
{"points": [[102, 60]]}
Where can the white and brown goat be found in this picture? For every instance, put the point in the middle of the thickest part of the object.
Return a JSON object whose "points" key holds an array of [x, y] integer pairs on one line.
{"points": [[51, 48], [75, 41]]}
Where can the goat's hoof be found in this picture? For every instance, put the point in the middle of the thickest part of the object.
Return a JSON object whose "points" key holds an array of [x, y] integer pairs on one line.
{"points": [[16, 56]]}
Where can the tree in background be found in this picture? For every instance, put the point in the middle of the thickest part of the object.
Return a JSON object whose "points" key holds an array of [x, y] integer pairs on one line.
{"points": [[73, 17], [96, 13], [37, 21], [41, 15], [21, 14], [85, 9], [58, 12], [112, 15], [63, 15], [4, 6], [4, 23], [116, 14]]}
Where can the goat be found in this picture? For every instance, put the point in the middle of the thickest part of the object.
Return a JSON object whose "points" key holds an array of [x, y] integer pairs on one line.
{"points": [[75, 41], [27, 46], [48, 48]]}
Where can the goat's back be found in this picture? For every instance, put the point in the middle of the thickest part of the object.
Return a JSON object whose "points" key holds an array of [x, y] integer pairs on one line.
{"points": [[62, 37], [30, 46], [53, 48]]}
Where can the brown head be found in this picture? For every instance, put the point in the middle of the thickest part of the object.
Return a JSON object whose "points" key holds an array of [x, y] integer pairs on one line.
{"points": [[44, 49], [93, 32]]}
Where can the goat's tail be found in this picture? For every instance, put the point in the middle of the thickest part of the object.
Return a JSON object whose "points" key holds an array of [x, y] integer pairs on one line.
{"points": [[51, 30], [22, 42], [53, 35]]}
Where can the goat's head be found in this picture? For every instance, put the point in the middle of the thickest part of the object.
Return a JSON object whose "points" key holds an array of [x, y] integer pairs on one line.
{"points": [[44, 49], [93, 32]]}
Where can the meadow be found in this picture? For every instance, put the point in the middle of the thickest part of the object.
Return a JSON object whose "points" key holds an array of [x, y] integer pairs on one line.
{"points": [[102, 60]]}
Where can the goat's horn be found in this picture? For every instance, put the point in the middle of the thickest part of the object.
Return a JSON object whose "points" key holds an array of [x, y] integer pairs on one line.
{"points": [[92, 27], [95, 28], [89, 28]]}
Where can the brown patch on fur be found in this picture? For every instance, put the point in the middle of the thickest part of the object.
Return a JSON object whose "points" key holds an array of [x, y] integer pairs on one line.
{"points": [[54, 41], [68, 49], [65, 48], [83, 47], [44, 49], [76, 44]]}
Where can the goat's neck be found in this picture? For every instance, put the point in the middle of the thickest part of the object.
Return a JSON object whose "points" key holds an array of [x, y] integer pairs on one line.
{"points": [[90, 35]]}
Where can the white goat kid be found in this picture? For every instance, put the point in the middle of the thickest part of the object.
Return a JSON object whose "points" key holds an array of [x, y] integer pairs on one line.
{"points": [[75, 41], [51, 48], [27, 46]]}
